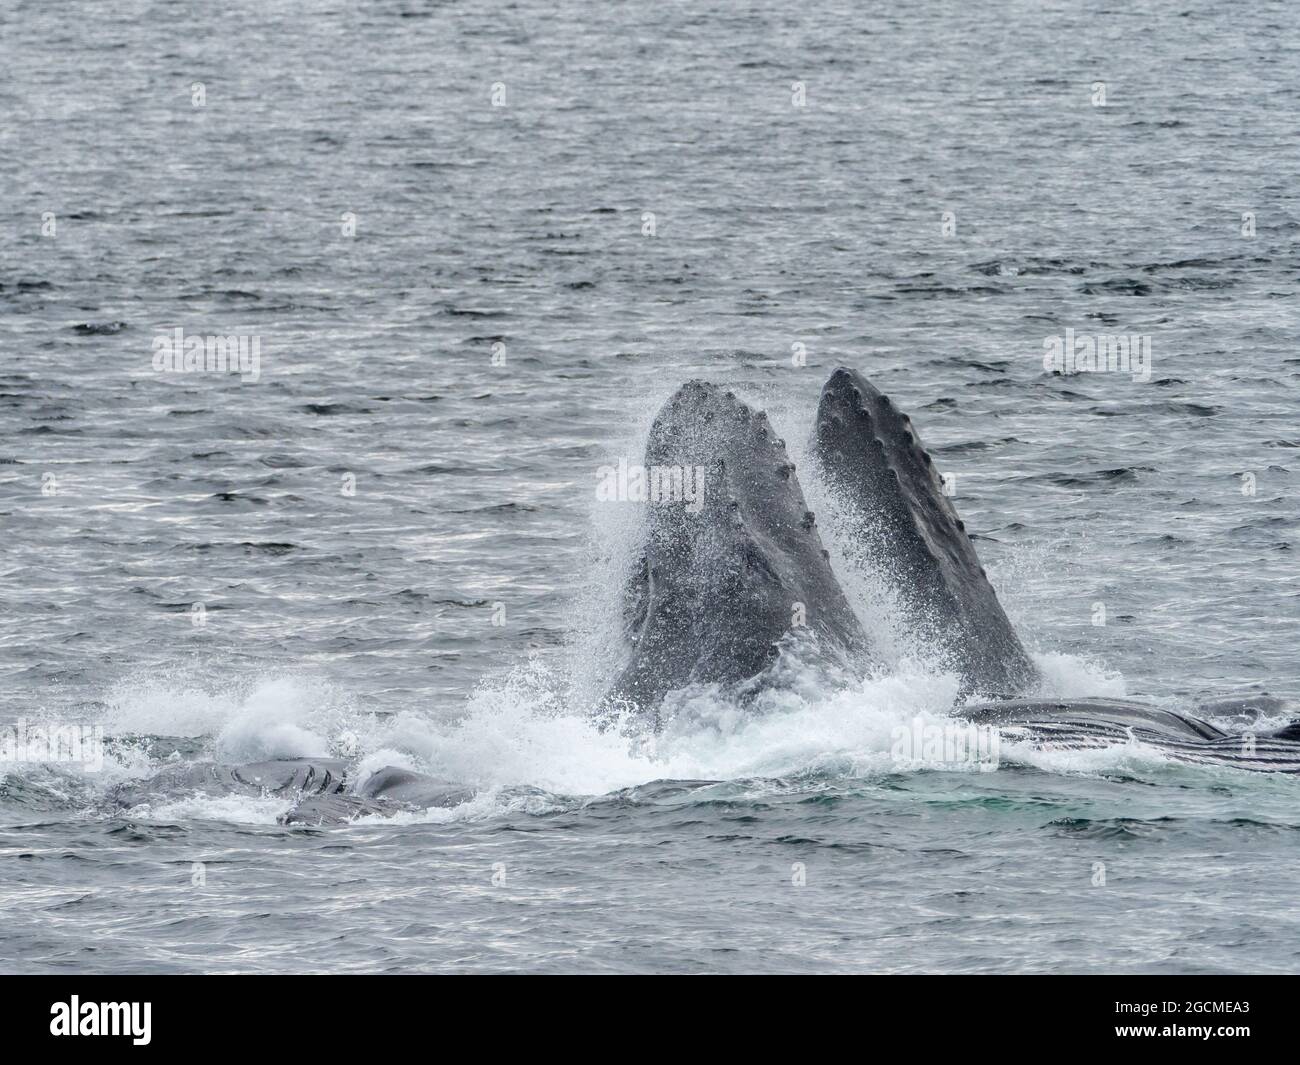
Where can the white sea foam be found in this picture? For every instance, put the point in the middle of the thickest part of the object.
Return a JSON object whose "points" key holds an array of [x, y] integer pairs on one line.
{"points": [[524, 744], [519, 733], [249, 719], [1075, 677], [527, 734], [235, 809]]}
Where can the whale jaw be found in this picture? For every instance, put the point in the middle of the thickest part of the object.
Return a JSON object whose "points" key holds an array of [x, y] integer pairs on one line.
{"points": [[872, 458], [727, 581]]}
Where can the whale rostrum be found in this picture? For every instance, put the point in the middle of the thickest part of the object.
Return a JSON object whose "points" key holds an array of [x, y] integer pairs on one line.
{"points": [[722, 584], [901, 518]]}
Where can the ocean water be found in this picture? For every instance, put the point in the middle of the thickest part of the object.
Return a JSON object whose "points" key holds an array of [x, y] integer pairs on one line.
{"points": [[386, 542]]}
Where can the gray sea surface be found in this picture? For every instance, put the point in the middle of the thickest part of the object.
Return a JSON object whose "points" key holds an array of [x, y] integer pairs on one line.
{"points": [[477, 246]]}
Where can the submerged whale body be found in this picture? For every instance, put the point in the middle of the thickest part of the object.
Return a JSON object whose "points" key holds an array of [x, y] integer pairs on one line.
{"points": [[321, 790], [723, 589]]}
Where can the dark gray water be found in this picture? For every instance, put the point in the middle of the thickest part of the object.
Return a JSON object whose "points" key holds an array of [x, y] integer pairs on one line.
{"points": [[345, 525]]}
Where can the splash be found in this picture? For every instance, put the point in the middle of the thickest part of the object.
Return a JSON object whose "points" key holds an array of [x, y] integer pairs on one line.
{"points": [[529, 741], [230, 809], [520, 733], [249, 719]]}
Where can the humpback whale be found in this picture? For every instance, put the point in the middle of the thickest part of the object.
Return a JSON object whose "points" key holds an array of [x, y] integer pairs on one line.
{"points": [[729, 582], [901, 518], [719, 590]]}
